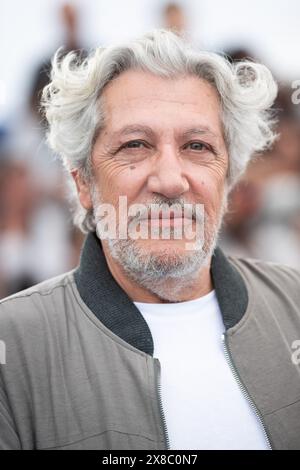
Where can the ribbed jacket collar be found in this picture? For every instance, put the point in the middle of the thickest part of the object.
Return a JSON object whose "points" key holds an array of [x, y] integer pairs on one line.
{"points": [[107, 300]]}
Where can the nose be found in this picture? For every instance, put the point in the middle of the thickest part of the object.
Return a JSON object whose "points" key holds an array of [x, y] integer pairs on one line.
{"points": [[167, 177]]}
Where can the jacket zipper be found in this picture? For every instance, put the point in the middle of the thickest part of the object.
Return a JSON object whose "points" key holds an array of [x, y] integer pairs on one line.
{"points": [[244, 390], [158, 389]]}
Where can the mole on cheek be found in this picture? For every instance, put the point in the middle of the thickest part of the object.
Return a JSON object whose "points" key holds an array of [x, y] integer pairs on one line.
{"points": [[132, 167]]}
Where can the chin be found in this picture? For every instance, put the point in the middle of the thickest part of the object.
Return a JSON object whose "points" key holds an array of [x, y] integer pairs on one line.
{"points": [[165, 258], [173, 247]]}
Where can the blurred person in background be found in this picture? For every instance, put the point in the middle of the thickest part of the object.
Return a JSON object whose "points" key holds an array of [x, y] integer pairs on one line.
{"points": [[68, 15], [264, 210], [31, 245], [236, 237], [17, 201], [33, 173], [174, 18], [276, 233]]}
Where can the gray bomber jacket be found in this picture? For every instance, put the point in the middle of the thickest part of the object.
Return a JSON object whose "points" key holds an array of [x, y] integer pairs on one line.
{"points": [[79, 370]]}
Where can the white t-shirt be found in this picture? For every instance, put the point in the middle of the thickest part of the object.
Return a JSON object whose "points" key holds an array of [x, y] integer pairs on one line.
{"points": [[202, 402]]}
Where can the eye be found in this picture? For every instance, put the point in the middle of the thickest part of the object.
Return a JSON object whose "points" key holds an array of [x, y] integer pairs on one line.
{"points": [[134, 144], [197, 146]]}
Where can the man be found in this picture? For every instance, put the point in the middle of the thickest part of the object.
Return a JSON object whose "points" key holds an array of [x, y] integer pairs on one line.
{"points": [[157, 340]]}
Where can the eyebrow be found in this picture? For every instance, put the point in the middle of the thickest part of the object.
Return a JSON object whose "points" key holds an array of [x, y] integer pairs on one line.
{"points": [[138, 128], [130, 129], [200, 130]]}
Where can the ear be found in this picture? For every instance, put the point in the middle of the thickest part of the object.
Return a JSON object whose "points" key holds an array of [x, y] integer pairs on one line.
{"points": [[83, 190]]}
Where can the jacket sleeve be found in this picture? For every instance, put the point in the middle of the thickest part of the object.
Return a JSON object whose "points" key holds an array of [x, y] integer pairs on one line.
{"points": [[9, 439]]}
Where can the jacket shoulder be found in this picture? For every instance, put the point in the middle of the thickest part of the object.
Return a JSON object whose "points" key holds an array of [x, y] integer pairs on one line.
{"points": [[28, 306], [269, 276]]}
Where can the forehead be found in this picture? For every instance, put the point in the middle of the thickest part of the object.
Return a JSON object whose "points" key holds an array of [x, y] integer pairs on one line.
{"points": [[137, 96]]}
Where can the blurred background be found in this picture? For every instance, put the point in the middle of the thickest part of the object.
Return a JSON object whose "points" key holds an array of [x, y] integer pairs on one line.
{"points": [[37, 240]]}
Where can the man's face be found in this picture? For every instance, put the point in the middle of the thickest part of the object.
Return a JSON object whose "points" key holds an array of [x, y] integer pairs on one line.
{"points": [[162, 142]]}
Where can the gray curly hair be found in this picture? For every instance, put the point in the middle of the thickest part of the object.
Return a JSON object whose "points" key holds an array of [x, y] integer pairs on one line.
{"points": [[74, 110]]}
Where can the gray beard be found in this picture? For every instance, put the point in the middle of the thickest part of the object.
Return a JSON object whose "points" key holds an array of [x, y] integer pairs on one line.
{"points": [[165, 274]]}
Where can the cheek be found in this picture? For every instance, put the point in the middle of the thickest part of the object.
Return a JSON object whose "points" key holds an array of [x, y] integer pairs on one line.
{"points": [[210, 193], [118, 180]]}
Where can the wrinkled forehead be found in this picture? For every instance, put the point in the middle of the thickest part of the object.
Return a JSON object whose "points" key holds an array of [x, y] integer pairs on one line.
{"points": [[161, 103]]}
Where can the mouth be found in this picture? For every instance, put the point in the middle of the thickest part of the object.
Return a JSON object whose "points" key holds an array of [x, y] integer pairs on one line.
{"points": [[175, 222], [167, 219]]}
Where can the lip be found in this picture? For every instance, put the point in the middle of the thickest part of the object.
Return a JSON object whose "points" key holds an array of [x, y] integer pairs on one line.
{"points": [[165, 222], [167, 216]]}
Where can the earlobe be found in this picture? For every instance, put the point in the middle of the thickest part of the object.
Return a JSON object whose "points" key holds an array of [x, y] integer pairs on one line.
{"points": [[83, 190]]}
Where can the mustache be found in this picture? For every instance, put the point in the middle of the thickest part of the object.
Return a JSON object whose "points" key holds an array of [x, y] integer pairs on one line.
{"points": [[159, 207], [165, 208]]}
